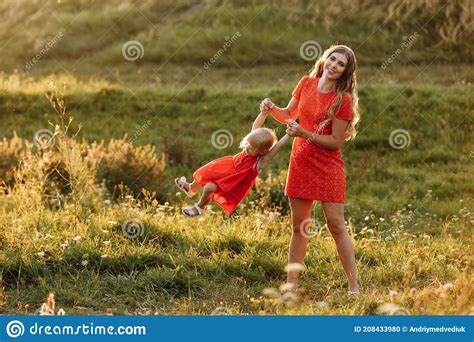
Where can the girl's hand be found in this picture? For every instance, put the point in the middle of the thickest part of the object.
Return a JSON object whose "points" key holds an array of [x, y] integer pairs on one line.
{"points": [[266, 105], [293, 129]]}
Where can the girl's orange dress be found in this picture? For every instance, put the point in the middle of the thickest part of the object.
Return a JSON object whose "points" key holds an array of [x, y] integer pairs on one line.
{"points": [[234, 177], [316, 173]]}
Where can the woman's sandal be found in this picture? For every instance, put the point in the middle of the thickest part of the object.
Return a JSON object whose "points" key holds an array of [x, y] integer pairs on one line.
{"points": [[179, 183], [190, 212]]}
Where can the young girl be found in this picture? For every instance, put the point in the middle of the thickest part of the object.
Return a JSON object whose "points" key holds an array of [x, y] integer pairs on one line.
{"points": [[227, 180]]}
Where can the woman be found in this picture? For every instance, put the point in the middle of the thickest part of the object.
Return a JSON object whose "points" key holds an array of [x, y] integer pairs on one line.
{"points": [[326, 104]]}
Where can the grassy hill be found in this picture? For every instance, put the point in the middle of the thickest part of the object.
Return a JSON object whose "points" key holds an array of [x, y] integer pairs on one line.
{"points": [[189, 32], [67, 211]]}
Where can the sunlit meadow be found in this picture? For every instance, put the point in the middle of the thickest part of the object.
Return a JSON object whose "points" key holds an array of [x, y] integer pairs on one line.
{"points": [[91, 219]]}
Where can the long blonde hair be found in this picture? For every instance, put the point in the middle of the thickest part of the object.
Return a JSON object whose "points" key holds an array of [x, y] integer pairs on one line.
{"points": [[346, 83]]}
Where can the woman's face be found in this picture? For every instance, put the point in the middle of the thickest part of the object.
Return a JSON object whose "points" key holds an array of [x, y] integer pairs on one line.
{"points": [[335, 65]]}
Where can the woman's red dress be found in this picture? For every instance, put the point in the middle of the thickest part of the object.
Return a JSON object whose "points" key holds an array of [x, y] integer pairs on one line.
{"points": [[316, 173]]}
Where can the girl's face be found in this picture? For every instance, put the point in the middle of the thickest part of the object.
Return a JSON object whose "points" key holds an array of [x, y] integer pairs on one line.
{"points": [[335, 65]]}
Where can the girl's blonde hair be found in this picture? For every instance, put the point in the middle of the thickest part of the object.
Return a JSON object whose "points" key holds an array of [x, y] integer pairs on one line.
{"points": [[346, 83], [263, 139]]}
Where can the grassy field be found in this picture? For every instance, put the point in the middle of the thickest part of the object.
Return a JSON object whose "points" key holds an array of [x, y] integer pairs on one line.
{"points": [[75, 221]]}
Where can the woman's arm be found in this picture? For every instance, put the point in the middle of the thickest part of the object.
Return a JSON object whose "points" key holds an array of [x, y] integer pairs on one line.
{"points": [[333, 141], [280, 114]]}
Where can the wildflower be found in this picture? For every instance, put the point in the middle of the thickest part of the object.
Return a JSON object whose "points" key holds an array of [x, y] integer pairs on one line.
{"points": [[47, 308], [393, 294], [107, 242], [112, 222], [220, 311], [381, 219], [107, 202], [84, 262], [61, 312], [77, 238], [392, 309], [448, 287], [40, 254], [294, 267], [412, 291], [366, 218], [322, 305], [103, 256], [286, 287], [271, 292]]}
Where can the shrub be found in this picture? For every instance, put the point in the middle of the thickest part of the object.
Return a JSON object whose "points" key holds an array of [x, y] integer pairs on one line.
{"points": [[270, 192], [122, 163], [11, 151]]}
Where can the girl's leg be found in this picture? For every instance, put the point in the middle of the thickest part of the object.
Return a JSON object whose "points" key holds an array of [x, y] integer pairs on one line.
{"points": [[194, 186], [300, 214], [207, 191], [334, 214]]}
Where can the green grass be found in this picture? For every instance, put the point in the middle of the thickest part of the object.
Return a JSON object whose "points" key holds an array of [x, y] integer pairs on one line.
{"points": [[432, 173], [191, 32], [182, 266], [409, 211]]}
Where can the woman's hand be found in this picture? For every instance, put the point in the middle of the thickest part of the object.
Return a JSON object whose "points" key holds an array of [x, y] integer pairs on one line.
{"points": [[266, 105], [293, 129]]}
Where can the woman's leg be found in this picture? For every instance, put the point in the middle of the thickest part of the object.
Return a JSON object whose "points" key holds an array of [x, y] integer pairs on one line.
{"points": [[334, 213], [300, 214]]}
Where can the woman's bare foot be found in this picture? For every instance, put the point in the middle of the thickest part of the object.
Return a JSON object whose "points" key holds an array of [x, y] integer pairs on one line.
{"points": [[354, 290]]}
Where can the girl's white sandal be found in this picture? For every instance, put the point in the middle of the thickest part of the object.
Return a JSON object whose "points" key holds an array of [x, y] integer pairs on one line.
{"points": [[189, 212], [179, 183]]}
